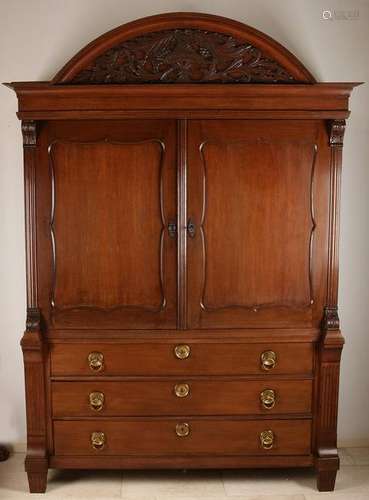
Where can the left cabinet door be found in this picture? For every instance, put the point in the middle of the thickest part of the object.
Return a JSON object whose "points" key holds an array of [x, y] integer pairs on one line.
{"points": [[106, 214]]}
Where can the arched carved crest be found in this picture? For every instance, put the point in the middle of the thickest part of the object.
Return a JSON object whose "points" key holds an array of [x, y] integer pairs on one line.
{"points": [[183, 48]]}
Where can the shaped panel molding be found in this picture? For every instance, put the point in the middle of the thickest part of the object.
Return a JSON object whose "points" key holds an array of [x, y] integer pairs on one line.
{"points": [[236, 183], [120, 265]]}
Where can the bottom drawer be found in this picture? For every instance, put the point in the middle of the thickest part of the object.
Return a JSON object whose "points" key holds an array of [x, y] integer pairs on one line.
{"points": [[149, 437]]}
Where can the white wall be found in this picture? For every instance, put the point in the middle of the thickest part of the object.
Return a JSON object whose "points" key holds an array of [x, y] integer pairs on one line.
{"points": [[38, 36]]}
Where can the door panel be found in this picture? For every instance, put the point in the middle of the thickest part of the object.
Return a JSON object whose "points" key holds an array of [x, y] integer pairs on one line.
{"points": [[113, 193], [250, 192]]}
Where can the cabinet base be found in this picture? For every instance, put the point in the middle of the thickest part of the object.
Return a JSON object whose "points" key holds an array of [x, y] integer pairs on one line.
{"points": [[38, 479]]}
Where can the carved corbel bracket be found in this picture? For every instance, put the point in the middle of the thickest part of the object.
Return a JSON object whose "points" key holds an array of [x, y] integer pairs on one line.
{"points": [[32, 338], [29, 132], [332, 337], [33, 321], [336, 132], [331, 320]]}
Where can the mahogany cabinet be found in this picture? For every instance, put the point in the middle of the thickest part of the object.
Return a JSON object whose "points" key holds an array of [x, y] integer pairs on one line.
{"points": [[182, 178]]}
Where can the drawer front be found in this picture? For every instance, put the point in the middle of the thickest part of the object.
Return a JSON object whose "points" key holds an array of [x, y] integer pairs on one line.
{"points": [[182, 436], [180, 397], [101, 359]]}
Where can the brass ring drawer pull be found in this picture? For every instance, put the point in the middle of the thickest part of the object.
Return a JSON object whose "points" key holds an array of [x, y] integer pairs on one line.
{"points": [[268, 360], [267, 398], [182, 351], [183, 430], [267, 439], [182, 390], [96, 361], [96, 400], [98, 440]]}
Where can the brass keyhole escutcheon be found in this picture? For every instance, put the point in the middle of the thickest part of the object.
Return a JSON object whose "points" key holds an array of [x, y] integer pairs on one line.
{"points": [[98, 440], [96, 401], [267, 398], [96, 361], [182, 430], [182, 351], [268, 360], [267, 439], [182, 390]]}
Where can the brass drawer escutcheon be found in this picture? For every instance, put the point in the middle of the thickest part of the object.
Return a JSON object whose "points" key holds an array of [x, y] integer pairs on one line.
{"points": [[96, 400], [267, 398], [182, 430], [96, 361], [268, 360], [182, 390], [182, 351], [98, 440], [267, 439]]}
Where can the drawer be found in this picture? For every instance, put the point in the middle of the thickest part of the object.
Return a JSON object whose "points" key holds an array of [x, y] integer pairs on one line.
{"points": [[181, 359], [180, 397], [182, 436]]}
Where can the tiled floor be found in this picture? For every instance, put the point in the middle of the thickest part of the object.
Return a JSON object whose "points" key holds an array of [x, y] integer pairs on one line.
{"points": [[352, 483]]}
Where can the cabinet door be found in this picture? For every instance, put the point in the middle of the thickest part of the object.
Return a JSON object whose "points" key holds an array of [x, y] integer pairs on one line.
{"points": [[257, 255], [106, 195]]}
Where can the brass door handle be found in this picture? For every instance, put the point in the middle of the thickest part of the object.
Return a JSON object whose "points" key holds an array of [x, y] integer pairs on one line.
{"points": [[183, 429], [267, 439], [182, 351], [96, 361], [267, 399], [98, 440], [181, 390], [96, 400], [268, 360]]}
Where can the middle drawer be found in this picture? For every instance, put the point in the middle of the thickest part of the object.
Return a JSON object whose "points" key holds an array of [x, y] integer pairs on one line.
{"points": [[181, 397]]}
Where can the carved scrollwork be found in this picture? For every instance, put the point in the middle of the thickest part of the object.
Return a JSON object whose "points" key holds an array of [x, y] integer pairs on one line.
{"points": [[337, 132], [33, 319], [183, 56], [331, 319], [29, 132]]}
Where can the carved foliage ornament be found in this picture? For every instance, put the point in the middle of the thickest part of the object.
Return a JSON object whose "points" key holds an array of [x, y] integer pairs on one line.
{"points": [[183, 56], [331, 319], [337, 131], [33, 319], [29, 132]]}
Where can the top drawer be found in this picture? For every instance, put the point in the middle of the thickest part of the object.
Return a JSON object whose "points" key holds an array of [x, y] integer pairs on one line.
{"points": [[149, 359]]}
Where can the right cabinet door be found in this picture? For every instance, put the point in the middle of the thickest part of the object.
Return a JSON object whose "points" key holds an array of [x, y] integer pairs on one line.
{"points": [[258, 199]]}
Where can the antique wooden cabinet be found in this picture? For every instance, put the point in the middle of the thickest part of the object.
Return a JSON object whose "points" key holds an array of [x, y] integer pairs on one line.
{"points": [[182, 177]]}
